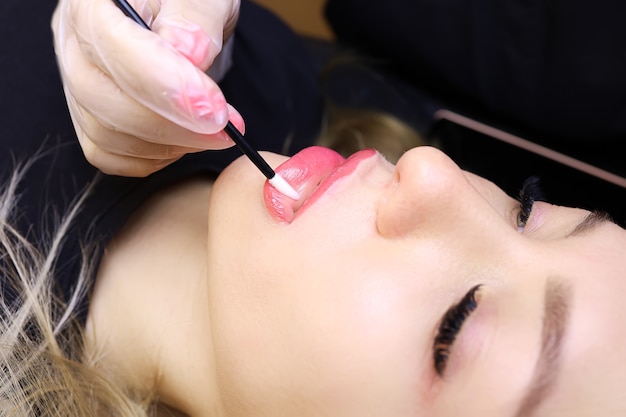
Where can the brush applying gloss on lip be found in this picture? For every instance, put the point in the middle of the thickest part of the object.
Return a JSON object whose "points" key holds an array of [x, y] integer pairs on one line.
{"points": [[275, 179]]}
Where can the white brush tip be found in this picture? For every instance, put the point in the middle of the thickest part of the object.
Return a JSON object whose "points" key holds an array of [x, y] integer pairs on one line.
{"points": [[283, 186]]}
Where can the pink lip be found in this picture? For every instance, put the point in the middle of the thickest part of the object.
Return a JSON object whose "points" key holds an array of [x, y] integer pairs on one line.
{"points": [[311, 172]]}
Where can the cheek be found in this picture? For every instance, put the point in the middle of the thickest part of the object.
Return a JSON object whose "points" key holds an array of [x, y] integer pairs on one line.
{"points": [[365, 330], [333, 335]]}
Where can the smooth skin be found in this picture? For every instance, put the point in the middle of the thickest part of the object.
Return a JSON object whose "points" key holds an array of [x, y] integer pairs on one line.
{"points": [[335, 313]]}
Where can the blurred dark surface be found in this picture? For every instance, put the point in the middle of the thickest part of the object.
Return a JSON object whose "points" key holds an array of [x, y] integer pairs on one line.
{"points": [[508, 166]]}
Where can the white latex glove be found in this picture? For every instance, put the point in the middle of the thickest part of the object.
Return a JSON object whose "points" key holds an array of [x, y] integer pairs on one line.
{"points": [[140, 99]]}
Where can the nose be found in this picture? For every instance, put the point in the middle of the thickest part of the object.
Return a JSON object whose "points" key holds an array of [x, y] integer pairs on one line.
{"points": [[427, 194]]}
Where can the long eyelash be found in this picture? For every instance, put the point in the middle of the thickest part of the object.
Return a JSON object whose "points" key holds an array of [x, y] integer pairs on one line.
{"points": [[449, 328], [530, 192]]}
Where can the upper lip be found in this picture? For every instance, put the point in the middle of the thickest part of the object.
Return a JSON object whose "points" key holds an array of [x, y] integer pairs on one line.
{"points": [[311, 171]]}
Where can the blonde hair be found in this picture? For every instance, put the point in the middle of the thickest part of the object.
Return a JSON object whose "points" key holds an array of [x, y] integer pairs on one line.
{"points": [[44, 369], [348, 130]]}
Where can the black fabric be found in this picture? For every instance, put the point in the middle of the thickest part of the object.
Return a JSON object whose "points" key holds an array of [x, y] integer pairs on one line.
{"points": [[272, 83], [549, 69]]}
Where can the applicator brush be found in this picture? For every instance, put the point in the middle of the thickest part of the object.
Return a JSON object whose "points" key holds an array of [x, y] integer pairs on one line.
{"points": [[275, 179]]}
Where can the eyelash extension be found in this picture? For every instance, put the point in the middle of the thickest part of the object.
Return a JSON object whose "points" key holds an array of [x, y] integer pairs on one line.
{"points": [[449, 328], [530, 192]]}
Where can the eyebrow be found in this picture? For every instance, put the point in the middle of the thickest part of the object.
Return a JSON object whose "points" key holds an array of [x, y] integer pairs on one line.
{"points": [[556, 313], [590, 222]]}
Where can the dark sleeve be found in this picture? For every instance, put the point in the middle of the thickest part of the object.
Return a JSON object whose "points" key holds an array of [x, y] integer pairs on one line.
{"points": [[271, 83], [555, 66]]}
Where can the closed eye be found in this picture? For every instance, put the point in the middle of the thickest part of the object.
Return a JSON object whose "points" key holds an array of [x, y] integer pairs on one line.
{"points": [[530, 192], [450, 327]]}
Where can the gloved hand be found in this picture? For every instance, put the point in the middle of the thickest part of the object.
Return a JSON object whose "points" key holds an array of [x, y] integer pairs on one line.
{"points": [[140, 99]]}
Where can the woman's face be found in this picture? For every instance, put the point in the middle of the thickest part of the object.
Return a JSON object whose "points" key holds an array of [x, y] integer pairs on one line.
{"points": [[331, 305]]}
